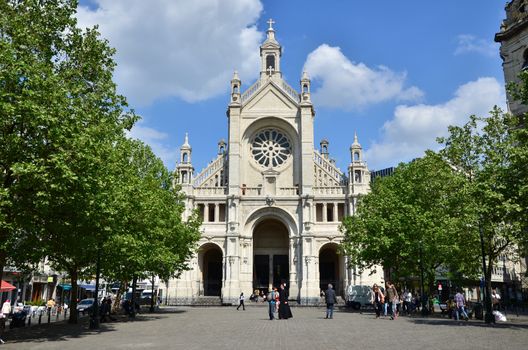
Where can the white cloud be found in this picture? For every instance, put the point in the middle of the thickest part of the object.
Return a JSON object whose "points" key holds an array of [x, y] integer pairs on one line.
{"points": [[349, 85], [468, 43], [181, 48], [157, 140], [415, 128]]}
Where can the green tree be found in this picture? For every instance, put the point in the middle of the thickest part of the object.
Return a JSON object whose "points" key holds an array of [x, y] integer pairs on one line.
{"points": [[417, 212], [482, 150], [61, 117], [150, 237]]}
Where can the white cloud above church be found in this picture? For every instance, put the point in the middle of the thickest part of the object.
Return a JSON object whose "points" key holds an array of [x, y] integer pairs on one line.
{"points": [[413, 129], [348, 85], [178, 48]]}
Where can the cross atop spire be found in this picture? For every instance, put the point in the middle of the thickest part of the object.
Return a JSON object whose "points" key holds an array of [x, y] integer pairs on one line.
{"points": [[271, 23]]}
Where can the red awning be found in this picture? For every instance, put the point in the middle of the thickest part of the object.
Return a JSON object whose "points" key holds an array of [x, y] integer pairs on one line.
{"points": [[6, 287]]}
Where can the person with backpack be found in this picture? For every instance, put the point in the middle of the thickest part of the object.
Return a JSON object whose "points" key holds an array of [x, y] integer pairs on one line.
{"points": [[271, 298]]}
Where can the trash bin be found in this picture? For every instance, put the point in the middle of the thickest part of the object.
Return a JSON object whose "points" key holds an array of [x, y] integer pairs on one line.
{"points": [[478, 311]]}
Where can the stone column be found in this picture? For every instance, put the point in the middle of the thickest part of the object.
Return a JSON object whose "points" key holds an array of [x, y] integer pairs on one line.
{"points": [[217, 212], [294, 267], [206, 212], [231, 289], [325, 217], [335, 212]]}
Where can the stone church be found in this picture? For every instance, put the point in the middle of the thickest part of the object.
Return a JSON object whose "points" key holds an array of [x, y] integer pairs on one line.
{"points": [[271, 203]]}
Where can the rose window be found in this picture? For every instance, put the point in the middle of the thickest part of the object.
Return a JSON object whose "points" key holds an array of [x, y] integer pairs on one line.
{"points": [[270, 148]]}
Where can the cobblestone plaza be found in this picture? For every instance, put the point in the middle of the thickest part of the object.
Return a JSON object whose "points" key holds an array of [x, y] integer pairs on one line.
{"points": [[227, 328]]}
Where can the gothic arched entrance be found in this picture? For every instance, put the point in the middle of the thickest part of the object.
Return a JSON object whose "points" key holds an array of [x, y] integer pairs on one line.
{"points": [[330, 268], [270, 254], [211, 265]]}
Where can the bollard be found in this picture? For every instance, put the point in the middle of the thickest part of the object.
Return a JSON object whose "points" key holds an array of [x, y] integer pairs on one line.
{"points": [[49, 315], [29, 320], [57, 314], [40, 316]]}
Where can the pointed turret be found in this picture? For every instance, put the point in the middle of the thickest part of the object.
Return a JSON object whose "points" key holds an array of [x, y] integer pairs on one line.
{"points": [[270, 53], [305, 88], [184, 167], [235, 88], [358, 172]]}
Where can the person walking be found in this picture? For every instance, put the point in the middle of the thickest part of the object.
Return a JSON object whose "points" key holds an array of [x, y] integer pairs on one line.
{"points": [[331, 299], [241, 302], [407, 302], [460, 305], [284, 308], [4, 314], [391, 297], [377, 299], [271, 297]]}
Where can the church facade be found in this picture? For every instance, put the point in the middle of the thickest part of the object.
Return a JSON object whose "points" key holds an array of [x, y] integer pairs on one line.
{"points": [[271, 203]]}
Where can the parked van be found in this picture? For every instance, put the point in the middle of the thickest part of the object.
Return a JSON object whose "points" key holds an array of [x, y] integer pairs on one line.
{"points": [[358, 296]]}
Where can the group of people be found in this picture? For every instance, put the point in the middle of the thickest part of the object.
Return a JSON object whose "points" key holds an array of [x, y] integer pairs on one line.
{"points": [[390, 302], [277, 299]]}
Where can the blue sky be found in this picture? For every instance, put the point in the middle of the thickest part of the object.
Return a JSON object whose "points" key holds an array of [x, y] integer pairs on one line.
{"points": [[397, 72]]}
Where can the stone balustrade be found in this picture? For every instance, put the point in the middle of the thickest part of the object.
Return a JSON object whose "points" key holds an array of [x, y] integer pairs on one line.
{"points": [[210, 191]]}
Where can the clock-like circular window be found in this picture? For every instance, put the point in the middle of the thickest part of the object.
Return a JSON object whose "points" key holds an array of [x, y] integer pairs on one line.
{"points": [[270, 148]]}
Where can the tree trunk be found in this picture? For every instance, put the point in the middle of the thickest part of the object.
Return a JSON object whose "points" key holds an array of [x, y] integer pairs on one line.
{"points": [[117, 300], [133, 299], [73, 299], [489, 318], [2, 263]]}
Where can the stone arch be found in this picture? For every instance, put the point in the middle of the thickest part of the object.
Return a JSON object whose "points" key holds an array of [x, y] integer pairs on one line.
{"points": [[261, 214], [331, 267], [210, 262]]}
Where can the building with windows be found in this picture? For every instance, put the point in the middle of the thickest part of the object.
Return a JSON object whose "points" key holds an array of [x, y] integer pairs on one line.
{"points": [[271, 203]]}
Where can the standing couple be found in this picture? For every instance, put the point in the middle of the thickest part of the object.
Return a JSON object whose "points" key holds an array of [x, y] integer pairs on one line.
{"points": [[278, 301]]}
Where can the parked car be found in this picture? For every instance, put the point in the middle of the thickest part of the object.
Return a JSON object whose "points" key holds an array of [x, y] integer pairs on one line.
{"points": [[358, 296], [85, 305]]}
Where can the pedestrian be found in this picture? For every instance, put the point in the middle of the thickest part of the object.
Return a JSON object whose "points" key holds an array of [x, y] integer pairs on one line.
{"points": [[391, 297], [271, 302], [241, 302], [407, 302], [50, 305], [284, 307], [460, 305], [4, 314], [377, 299], [495, 299], [331, 299]]}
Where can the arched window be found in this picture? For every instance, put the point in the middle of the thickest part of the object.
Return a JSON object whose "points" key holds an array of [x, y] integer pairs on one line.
{"points": [[305, 88], [357, 176], [184, 177], [270, 61], [324, 149], [235, 89], [185, 158], [356, 156]]}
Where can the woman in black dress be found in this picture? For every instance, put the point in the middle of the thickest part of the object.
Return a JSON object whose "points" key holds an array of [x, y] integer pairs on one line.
{"points": [[284, 307]]}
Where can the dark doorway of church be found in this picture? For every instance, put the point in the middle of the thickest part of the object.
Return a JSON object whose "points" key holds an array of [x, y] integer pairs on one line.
{"points": [[213, 272], [329, 268], [271, 258], [280, 270]]}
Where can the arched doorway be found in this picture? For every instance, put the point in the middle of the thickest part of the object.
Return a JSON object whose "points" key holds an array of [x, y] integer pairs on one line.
{"points": [[270, 254], [211, 265], [330, 268]]}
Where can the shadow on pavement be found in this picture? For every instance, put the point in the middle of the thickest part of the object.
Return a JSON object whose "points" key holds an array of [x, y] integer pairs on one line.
{"points": [[453, 323], [62, 330]]}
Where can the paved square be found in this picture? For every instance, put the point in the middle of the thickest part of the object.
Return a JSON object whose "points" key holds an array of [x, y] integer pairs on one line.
{"points": [[226, 328]]}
